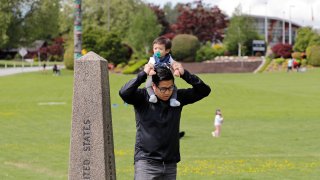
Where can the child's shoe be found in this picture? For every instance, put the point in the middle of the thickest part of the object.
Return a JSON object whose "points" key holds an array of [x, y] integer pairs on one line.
{"points": [[174, 103], [153, 98], [213, 134]]}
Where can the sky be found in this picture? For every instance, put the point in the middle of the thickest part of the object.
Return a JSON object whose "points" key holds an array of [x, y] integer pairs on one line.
{"points": [[302, 12]]}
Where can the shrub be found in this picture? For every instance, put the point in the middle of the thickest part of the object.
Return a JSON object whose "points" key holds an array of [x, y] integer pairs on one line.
{"points": [[209, 52], [308, 51], [297, 55], [134, 67], [55, 52], [282, 50], [279, 61], [304, 62], [314, 56], [131, 62], [68, 57], [35, 58], [138, 55], [206, 52], [17, 57], [119, 67], [219, 49], [184, 47]]}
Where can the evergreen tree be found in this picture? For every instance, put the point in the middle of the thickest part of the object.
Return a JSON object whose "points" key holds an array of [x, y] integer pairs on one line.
{"points": [[240, 33]]}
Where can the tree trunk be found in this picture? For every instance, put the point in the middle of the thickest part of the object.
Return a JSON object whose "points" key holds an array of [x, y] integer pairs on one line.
{"points": [[239, 49]]}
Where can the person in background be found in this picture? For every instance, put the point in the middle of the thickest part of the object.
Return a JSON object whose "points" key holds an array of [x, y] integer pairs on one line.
{"points": [[56, 70], [44, 66], [290, 64], [218, 120], [297, 64]]}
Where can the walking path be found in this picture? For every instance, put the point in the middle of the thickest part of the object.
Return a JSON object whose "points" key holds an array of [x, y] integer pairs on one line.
{"points": [[10, 71]]}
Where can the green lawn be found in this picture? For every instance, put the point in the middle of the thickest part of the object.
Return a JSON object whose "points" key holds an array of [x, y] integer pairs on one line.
{"points": [[271, 128]]}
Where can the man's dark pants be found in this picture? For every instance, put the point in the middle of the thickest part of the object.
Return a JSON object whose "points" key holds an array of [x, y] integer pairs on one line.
{"points": [[153, 170]]}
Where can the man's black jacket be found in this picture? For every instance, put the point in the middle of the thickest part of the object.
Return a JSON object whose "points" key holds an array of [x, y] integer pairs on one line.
{"points": [[157, 124]]}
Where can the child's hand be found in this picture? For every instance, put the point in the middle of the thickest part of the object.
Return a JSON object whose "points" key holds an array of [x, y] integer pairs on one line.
{"points": [[176, 73], [151, 72], [149, 69], [178, 69]]}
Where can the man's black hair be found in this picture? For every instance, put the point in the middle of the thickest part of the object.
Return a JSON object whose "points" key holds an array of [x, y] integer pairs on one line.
{"points": [[163, 73]]}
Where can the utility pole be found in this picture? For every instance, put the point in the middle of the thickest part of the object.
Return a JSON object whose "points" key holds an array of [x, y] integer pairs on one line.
{"points": [[266, 24], [239, 42], [77, 29], [290, 25], [283, 29]]}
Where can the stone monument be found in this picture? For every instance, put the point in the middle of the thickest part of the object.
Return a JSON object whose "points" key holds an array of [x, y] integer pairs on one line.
{"points": [[91, 146]]}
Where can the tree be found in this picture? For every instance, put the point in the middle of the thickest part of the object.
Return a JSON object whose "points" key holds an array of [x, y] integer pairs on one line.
{"points": [[106, 15], [24, 21], [10, 24], [43, 23], [144, 28], [315, 40], [66, 16], [206, 23], [5, 19], [161, 19], [240, 33], [171, 13], [109, 15], [303, 38], [107, 45]]}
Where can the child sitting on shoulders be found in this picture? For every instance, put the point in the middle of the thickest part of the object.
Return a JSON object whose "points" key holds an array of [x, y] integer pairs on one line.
{"points": [[162, 57]]}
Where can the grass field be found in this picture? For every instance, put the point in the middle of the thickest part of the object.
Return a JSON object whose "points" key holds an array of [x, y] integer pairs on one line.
{"points": [[271, 128]]}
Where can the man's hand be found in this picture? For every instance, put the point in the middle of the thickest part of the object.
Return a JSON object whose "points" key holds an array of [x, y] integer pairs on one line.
{"points": [[149, 69], [177, 69]]}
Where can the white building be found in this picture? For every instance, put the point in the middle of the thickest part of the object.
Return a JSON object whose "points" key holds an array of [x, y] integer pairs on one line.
{"points": [[278, 30]]}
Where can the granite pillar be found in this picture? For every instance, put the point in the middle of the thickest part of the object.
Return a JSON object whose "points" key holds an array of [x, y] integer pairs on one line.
{"points": [[91, 146]]}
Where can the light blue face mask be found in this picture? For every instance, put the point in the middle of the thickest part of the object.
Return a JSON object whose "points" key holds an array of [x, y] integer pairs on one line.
{"points": [[157, 54]]}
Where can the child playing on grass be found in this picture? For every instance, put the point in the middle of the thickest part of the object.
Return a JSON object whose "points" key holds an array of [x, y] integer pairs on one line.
{"points": [[218, 120], [162, 57]]}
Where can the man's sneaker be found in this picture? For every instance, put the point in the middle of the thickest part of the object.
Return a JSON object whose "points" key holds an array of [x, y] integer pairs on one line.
{"points": [[174, 103], [153, 99]]}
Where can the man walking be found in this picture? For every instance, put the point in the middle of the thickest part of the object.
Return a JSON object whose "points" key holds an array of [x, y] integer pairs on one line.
{"points": [[157, 149]]}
